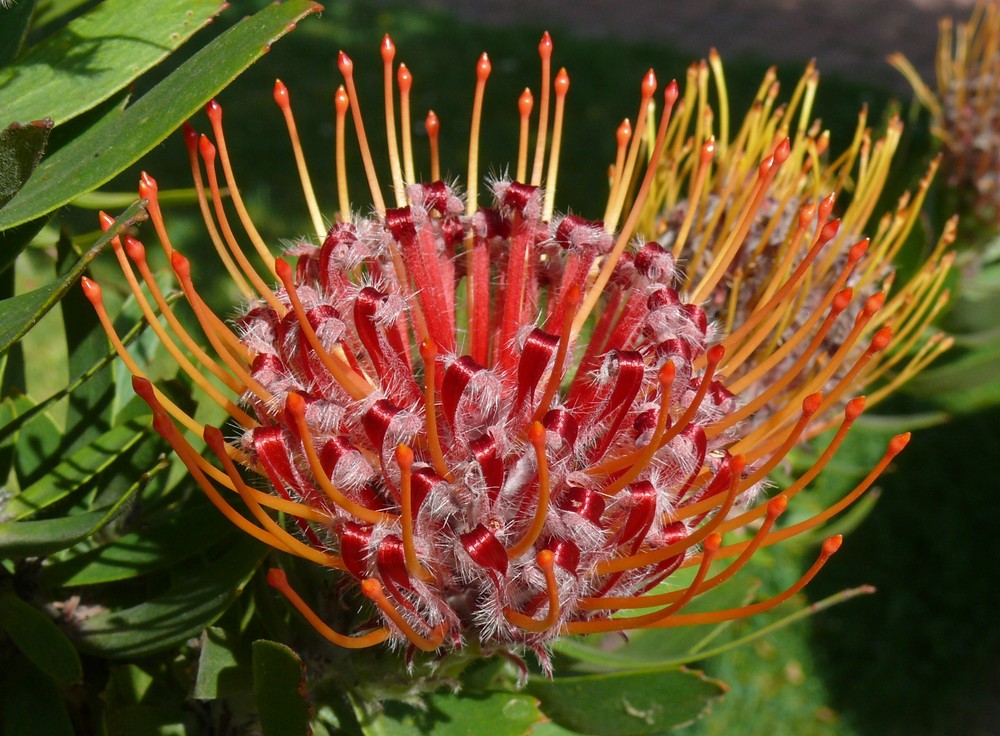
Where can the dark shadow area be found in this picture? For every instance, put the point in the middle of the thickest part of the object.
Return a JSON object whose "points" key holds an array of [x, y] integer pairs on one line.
{"points": [[922, 656]]}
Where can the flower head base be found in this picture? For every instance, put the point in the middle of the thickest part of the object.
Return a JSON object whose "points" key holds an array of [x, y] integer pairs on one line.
{"points": [[966, 106], [505, 424]]}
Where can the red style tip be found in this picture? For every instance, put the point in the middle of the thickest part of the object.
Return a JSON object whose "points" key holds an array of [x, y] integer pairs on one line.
{"points": [[545, 559], [281, 94], [483, 68], [708, 150], [428, 349], [648, 85], [776, 506], [344, 64], [810, 404], [832, 544], [765, 166], [842, 299], [857, 250], [562, 82], [536, 434], [432, 124], [854, 408], [147, 186], [667, 374], [144, 390], [624, 133], [213, 438], [404, 79], [882, 338], [190, 137], [214, 111], [545, 46], [712, 543], [341, 101], [181, 265], [206, 148], [106, 221], [136, 250], [829, 231], [826, 206], [277, 579], [715, 354], [404, 457], [781, 152], [737, 463], [283, 270], [671, 93], [525, 102], [897, 443], [807, 213], [91, 290], [388, 49], [874, 303]]}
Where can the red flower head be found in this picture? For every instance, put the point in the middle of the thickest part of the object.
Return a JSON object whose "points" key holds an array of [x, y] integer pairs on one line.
{"points": [[505, 424]]}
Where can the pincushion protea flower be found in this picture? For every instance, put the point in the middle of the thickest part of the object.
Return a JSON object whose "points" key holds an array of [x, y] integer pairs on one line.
{"points": [[966, 108], [505, 424]]}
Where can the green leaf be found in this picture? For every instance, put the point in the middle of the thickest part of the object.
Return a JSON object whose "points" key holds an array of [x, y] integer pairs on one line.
{"points": [[10, 409], [20, 313], [75, 471], [447, 714], [21, 150], [14, 29], [178, 537], [192, 603], [220, 672], [91, 58], [279, 688], [629, 703], [39, 639], [112, 145], [30, 703]]}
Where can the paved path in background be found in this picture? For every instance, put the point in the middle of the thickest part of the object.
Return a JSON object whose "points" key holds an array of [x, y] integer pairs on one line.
{"points": [[848, 37]]}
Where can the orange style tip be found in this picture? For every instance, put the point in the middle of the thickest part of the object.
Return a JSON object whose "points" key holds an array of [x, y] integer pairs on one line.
{"points": [[536, 434], [372, 588], [428, 349], [545, 559], [525, 103], [404, 457], [671, 93], [295, 405], [897, 443], [180, 264], [276, 578], [388, 49], [281, 94], [810, 404], [874, 303], [806, 213], [143, 388], [106, 221], [854, 408], [667, 374], [648, 86], [404, 79], [147, 186], [829, 231], [432, 124], [826, 206], [341, 101], [344, 63], [712, 543], [708, 150], [206, 148], [483, 68], [832, 544], [882, 338], [91, 290], [715, 354], [283, 270], [562, 82], [781, 152], [135, 249], [776, 506], [765, 166], [214, 111], [858, 250], [545, 46], [737, 463]]}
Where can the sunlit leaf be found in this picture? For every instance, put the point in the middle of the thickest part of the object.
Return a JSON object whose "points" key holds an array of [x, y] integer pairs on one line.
{"points": [[446, 714], [220, 672]]}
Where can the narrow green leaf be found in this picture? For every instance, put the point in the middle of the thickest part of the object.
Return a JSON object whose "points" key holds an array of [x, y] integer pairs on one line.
{"points": [[89, 59], [10, 410], [14, 29], [20, 313], [628, 703], [21, 149], [279, 690], [37, 445], [220, 671], [75, 471], [178, 537], [447, 714], [180, 613], [38, 638], [112, 145]]}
